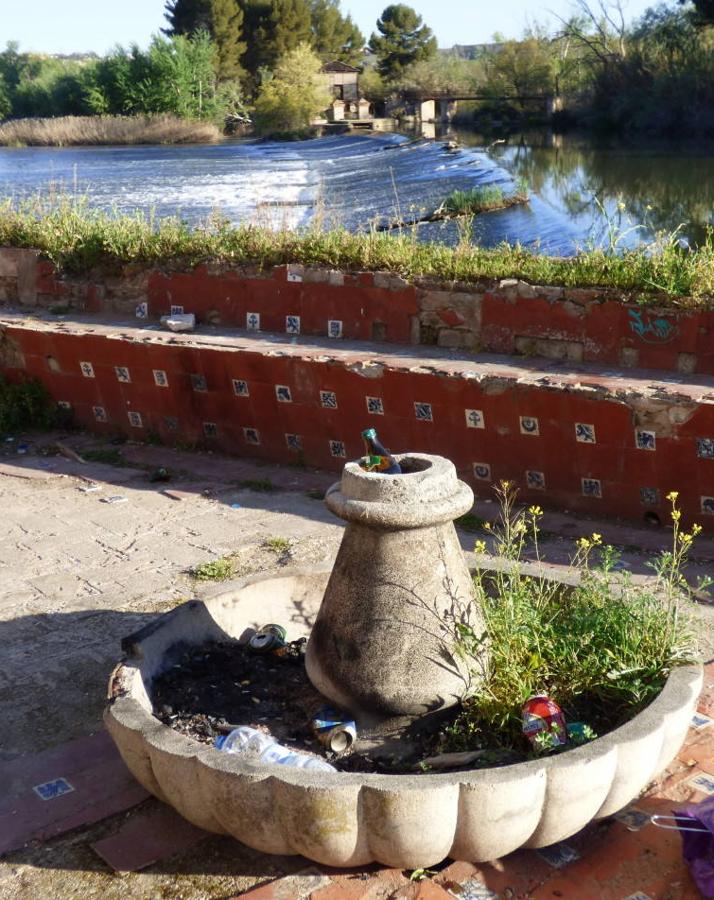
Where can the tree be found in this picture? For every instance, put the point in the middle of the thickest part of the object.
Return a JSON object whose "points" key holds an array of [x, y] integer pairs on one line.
{"points": [[227, 33], [5, 102], [291, 26], [703, 11], [289, 101], [335, 36], [187, 16], [520, 69], [403, 40]]}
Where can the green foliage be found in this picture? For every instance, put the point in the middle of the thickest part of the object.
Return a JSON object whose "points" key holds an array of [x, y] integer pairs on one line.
{"points": [[601, 649], [227, 33], [291, 28], [216, 570], [442, 72], [278, 545], [334, 36], [403, 40], [288, 102], [703, 11], [478, 200], [78, 238], [5, 102], [25, 406], [260, 485], [187, 16], [371, 84], [111, 456]]}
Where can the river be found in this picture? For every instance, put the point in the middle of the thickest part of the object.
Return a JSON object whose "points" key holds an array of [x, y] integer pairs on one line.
{"points": [[581, 193]]}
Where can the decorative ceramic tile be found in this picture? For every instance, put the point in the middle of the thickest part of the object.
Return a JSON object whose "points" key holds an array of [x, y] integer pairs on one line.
{"points": [[210, 429], [252, 321], [334, 328], [295, 273], [649, 496], [474, 418], [50, 790], [100, 414], [251, 435], [160, 378], [592, 487], [638, 895], [707, 505], [123, 374], [142, 311], [337, 448], [199, 383], [375, 406], [703, 782], [282, 393], [171, 423], [422, 412], [700, 721], [645, 440], [476, 890], [240, 388], [529, 425], [292, 324], [328, 399], [585, 434], [64, 404], [135, 419], [535, 481], [482, 471], [705, 448], [558, 855], [294, 441], [633, 819], [176, 310], [87, 369]]}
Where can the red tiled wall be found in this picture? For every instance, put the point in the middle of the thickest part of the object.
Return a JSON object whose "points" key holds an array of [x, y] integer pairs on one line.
{"points": [[622, 470]]}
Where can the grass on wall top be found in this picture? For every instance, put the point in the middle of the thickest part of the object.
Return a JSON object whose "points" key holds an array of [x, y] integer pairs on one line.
{"points": [[77, 239]]}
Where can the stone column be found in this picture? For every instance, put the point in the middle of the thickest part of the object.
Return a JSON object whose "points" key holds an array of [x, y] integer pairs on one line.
{"points": [[383, 641]]}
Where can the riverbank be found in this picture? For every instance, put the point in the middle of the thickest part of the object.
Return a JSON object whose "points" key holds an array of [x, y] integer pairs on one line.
{"points": [[68, 131], [78, 239]]}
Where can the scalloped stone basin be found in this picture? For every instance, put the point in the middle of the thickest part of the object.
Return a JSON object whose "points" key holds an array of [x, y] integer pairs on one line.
{"points": [[346, 819]]}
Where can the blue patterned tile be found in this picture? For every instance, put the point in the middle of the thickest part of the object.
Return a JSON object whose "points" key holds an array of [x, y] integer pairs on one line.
{"points": [[535, 481], [240, 387], [122, 374], [292, 324], [475, 890], [50, 790], [474, 418], [282, 393], [176, 310], [199, 383], [375, 406], [160, 378], [210, 429], [64, 404], [632, 818], [705, 448], [87, 369], [649, 496], [328, 399], [252, 436], [294, 441], [423, 412], [645, 440], [482, 471], [703, 782], [529, 425], [591, 487], [135, 419], [171, 423], [334, 328], [558, 855], [252, 321], [141, 311], [337, 448], [707, 505], [100, 414], [584, 433]]}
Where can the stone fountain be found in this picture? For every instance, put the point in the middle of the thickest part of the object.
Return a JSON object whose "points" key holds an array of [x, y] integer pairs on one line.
{"points": [[380, 627]]}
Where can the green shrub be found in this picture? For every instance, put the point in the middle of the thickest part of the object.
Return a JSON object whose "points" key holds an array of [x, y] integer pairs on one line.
{"points": [[25, 406]]}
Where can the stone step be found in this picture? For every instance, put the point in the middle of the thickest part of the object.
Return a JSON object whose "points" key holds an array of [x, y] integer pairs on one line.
{"points": [[575, 436]]}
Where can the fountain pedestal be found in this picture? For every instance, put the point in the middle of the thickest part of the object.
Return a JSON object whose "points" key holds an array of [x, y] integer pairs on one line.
{"points": [[383, 640]]}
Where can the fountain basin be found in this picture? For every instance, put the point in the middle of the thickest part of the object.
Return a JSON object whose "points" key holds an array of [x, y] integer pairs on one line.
{"points": [[346, 819]]}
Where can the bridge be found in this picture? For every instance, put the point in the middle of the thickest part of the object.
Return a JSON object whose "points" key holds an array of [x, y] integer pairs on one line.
{"points": [[442, 105]]}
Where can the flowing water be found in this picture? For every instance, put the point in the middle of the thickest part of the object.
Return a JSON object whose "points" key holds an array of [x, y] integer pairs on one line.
{"points": [[580, 193]]}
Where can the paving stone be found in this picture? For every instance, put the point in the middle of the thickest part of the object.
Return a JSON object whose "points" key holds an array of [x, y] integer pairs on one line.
{"points": [[147, 838]]}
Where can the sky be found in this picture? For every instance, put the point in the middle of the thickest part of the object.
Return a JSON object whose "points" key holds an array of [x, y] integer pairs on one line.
{"points": [[48, 26]]}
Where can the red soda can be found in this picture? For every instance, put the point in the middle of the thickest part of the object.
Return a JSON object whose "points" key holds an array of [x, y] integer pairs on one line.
{"points": [[541, 714]]}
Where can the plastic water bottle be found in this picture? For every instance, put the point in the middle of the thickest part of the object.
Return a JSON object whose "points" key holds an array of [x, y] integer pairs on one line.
{"points": [[249, 740]]}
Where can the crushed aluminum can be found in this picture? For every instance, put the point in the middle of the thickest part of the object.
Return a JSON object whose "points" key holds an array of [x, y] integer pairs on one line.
{"points": [[333, 730], [543, 715], [267, 638]]}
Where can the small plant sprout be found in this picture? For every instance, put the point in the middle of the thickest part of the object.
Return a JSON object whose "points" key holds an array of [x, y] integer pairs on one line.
{"points": [[279, 545], [216, 570]]}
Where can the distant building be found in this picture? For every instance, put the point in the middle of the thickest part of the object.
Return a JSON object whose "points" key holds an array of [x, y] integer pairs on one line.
{"points": [[342, 80]]}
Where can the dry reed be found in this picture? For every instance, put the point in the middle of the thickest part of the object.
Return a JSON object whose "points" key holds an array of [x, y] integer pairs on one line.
{"points": [[67, 130]]}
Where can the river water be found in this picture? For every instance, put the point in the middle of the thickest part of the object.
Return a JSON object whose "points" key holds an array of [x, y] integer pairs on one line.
{"points": [[580, 193]]}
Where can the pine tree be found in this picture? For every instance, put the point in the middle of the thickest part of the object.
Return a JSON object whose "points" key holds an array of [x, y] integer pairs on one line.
{"points": [[403, 40], [227, 32], [187, 16], [291, 24], [335, 36]]}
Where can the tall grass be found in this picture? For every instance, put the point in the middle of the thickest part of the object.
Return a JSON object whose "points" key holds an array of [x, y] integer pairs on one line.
{"points": [[77, 238], [68, 130]]}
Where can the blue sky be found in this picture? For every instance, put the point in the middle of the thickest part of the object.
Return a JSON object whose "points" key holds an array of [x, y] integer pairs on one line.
{"points": [[49, 26]]}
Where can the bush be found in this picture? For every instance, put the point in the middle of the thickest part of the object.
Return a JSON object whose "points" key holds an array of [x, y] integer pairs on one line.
{"points": [[25, 406], [289, 100]]}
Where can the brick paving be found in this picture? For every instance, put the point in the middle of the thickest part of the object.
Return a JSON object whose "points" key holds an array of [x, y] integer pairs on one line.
{"points": [[77, 574]]}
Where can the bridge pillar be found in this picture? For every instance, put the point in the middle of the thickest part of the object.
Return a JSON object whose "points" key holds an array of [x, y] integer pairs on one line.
{"points": [[446, 110], [553, 104], [427, 110]]}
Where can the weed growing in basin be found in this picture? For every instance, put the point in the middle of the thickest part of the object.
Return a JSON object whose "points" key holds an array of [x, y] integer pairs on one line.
{"points": [[470, 522], [601, 648], [279, 545], [109, 455], [259, 485], [25, 406], [216, 570], [478, 200]]}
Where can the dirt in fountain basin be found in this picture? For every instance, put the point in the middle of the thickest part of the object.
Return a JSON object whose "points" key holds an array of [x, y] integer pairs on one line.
{"points": [[213, 687]]}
